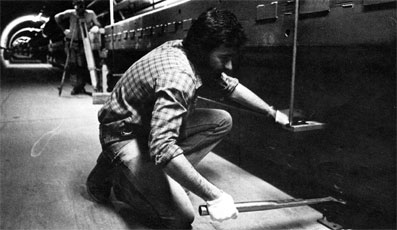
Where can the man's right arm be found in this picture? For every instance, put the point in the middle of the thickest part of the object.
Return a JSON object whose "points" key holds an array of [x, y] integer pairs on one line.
{"points": [[173, 94], [170, 107], [220, 205], [60, 17], [180, 169]]}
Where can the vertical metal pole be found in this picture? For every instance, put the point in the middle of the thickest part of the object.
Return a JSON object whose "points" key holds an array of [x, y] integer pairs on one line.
{"points": [[111, 8], [111, 11], [291, 105]]}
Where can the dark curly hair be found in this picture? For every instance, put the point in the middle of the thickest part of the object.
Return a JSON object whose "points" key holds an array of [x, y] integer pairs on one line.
{"points": [[212, 29], [75, 2]]}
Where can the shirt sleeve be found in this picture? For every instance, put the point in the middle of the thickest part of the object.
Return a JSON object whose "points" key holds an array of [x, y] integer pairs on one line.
{"points": [[174, 93], [63, 15], [93, 19], [224, 83]]}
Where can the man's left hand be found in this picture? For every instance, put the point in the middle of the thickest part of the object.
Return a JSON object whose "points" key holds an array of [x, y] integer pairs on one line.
{"points": [[281, 118]]}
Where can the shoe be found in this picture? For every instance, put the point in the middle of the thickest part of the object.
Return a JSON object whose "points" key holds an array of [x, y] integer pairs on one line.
{"points": [[79, 91], [129, 204], [74, 92], [97, 194], [99, 181]]}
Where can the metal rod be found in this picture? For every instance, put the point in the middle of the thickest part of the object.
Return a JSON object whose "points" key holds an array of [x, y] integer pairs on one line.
{"points": [[92, 3], [294, 51], [111, 10], [273, 204]]}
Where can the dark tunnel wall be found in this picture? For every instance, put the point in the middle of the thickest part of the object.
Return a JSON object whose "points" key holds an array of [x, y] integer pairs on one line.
{"points": [[352, 158]]}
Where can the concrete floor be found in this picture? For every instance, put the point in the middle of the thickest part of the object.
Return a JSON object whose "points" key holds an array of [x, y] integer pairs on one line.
{"points": [[50, 143]]}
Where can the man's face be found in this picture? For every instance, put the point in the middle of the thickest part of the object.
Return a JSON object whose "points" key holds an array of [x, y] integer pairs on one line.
{"points": [[220, 59], [80, 8]]}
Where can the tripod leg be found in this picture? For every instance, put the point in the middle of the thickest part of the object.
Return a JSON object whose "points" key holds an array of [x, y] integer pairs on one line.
{"points": [[89, 55], [62, 82], [66, 67], [65, 70]]}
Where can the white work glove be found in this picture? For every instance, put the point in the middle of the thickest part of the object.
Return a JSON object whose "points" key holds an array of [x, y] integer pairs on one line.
{"points": [[222, 208], [281, 118], [94, 29]]}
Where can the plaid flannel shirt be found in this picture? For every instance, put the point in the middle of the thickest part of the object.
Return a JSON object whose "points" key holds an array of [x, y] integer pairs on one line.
{"points": [[157, 92]]}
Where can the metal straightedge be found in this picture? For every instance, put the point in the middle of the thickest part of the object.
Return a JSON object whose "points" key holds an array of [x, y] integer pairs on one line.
{"points": [[273, 204]]}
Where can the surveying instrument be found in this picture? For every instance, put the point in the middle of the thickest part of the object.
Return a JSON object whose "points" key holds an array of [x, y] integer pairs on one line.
{"points": [[89, 56]]}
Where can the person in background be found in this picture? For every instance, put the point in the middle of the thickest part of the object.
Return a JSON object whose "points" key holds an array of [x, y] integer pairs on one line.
{"points": [[68, 22], [152, 135]]}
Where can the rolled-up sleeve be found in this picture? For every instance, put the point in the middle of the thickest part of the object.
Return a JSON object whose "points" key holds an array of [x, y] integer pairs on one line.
{"points": [[62, 15], [223, 84], [228, 83], [174, 93]]}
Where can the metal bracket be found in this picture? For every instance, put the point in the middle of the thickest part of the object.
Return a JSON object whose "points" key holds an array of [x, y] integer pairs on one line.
{"points": [[305, 126], [329, 224]]}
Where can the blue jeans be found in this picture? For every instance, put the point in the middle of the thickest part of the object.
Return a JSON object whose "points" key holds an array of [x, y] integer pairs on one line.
{"points": [[148, 191]]}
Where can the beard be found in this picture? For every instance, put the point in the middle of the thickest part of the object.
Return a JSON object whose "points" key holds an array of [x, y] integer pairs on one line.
{"points": [[201, 61], [205, 69], [207, 73]]}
